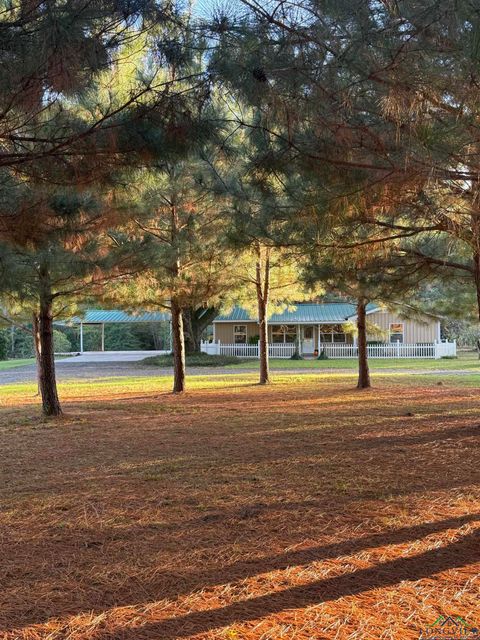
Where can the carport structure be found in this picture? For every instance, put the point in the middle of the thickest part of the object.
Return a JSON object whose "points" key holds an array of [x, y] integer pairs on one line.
{"points": [[101, 317]]}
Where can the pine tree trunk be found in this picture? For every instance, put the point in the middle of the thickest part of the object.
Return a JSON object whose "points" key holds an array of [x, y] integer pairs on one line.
{"points": [[476, 277], [263, 291], [263, 343], [475, 228], [44, 352], [37, 345], [363, 372], [178, 349]]}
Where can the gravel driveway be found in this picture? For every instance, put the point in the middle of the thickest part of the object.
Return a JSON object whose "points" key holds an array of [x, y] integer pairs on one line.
{"points": [[83, 369]]}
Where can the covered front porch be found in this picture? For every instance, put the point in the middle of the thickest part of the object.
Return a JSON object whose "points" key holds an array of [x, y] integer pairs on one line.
{"points": [[306, 339], [310, 339]]}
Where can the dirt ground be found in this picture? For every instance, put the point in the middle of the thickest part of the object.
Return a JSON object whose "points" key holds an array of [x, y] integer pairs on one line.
{"points": [[300, 511]]}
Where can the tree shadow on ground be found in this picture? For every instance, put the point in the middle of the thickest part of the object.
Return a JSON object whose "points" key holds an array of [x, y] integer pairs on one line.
{"points": [[173, 584], [90, 531], [463, 552]]}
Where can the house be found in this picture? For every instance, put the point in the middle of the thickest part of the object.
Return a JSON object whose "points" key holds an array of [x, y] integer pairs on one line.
{"points": [[317, 327]]}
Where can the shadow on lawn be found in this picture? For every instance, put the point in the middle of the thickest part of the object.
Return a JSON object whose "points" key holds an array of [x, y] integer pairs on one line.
{"points": [[463, 552], [171, 585], [425, 437], [242, 570], [77, 566]]}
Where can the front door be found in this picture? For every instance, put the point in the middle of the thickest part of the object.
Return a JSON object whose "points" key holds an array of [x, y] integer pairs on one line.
{"points": [[308, 342]]}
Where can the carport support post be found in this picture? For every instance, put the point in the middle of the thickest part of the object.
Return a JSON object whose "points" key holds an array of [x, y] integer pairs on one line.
{"points": [[103, 336], [81, 337]]}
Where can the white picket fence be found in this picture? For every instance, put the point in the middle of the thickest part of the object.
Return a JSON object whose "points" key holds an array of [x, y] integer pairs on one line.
{"points": [[247, 350], [434, 350]]}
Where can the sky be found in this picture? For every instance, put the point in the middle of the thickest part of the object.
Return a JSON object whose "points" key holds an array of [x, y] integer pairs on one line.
{"points": [[205, 8]]}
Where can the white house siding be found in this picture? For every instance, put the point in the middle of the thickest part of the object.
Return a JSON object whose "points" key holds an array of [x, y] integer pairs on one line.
{"points": [[415, 331]]}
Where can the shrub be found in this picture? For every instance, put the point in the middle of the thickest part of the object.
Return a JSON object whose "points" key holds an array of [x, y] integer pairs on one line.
{"points": [[323, 355], [61, 343], [193, 360], [120, 337], [4, 344], [23, 344], [296, 356]]}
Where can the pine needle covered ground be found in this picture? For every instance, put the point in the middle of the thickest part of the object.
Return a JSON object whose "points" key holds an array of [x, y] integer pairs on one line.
{"points": [[304, 510]]}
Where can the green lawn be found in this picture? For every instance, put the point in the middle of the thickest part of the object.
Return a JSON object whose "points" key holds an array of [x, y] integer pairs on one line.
{"points": [[10, 364], [465, 361], [20, 393]]}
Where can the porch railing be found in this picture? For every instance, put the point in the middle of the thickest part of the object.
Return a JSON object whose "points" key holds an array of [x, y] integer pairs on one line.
{"points": [[247, 350], [391, 350], [434, 350]]}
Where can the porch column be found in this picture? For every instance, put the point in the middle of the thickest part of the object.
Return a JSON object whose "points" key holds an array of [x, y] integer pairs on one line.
{"points": [[319, 344], [81, 337], [103, 336]]}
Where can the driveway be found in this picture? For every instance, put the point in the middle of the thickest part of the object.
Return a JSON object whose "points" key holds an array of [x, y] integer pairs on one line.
{"points": [[89, 366], [100, 357]]}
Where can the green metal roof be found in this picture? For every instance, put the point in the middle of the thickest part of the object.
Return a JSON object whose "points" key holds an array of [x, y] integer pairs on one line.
{"points": [[331, 312], [102, 316]]}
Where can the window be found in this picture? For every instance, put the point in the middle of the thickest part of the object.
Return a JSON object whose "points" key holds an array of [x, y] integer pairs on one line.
{"points": [[284, 333], [240, 334], [396, 332], [333, 333], [290, 333]]}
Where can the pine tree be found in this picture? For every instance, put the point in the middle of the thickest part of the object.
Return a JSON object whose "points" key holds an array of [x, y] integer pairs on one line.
{"points": [[351, 98], [364, 270], [52, 55], [179, 221], [69, 253], [368, 97], [75, 145], [270, 281]]}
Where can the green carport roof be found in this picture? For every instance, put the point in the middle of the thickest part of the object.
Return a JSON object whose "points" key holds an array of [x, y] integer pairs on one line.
{"points": [[103, 316], [329, 312]]}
